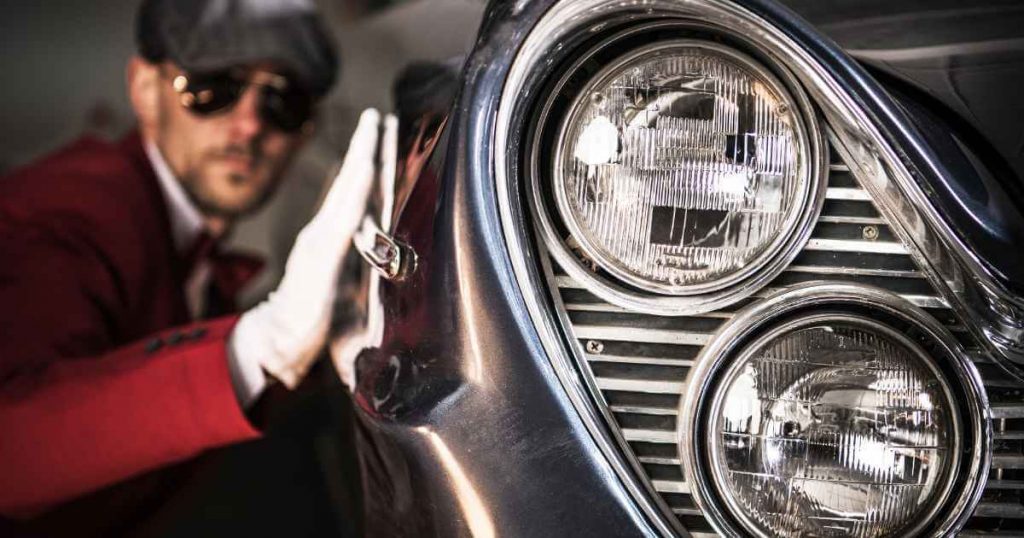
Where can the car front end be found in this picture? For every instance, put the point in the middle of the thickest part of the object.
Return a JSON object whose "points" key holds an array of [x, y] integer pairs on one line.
{"points": [[686, 268]]}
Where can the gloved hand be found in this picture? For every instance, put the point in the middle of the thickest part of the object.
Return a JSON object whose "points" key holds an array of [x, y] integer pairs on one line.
{"points": [[285, 333]]}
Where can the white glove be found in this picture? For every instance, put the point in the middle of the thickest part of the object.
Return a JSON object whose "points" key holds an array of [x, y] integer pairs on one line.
{"points": [[286, 332], [345, 347]]}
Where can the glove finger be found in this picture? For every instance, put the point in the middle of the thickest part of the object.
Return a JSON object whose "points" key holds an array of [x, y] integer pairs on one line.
{"points": [[313, 262], [389, 161], [356, 170]]}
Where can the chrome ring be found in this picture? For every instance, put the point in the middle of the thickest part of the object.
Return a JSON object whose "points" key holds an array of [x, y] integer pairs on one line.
{"points": [[808, 301], [708, 297]]}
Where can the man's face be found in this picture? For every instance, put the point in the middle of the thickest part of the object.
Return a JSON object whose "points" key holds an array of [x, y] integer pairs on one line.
{"points": [[230, 161]]}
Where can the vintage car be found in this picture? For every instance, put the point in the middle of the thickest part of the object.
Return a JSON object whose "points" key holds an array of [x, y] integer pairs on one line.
{"points": [[702, 267]]}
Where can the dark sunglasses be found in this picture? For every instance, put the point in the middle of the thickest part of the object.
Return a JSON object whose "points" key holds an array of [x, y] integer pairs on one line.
{"points": [[282, 105]]}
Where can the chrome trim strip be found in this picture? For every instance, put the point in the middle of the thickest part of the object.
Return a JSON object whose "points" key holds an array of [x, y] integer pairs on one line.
{"points": [[813, 297]]}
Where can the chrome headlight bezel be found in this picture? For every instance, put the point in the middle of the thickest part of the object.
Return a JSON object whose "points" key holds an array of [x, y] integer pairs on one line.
{"points": [[814, 302], [620, 289]]}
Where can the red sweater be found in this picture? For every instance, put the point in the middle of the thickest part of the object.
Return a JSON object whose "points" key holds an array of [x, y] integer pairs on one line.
{"points": [[96, 383]]}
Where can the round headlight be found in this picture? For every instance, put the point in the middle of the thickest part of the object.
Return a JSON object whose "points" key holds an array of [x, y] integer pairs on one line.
{"points": [[684, 168], [831, 422], [832, 426]]}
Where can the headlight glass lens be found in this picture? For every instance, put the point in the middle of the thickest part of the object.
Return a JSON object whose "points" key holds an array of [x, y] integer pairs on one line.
{"points": [[833, 428], [682, 168]]}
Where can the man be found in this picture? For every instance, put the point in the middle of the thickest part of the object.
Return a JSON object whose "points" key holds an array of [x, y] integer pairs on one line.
{"points": [[110, 259]]}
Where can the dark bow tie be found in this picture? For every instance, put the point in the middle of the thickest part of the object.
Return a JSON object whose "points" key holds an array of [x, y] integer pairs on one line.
{"points": [[230, 272]]}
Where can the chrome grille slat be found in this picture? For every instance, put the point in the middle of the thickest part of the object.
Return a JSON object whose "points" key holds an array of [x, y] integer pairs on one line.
{"points": [[640, 385], [852, 245], [836, 251], [607, 307], [671, 486], [649, 436], [847, 193], [639, 334], [660, 361], [1006, 484], [1008, 410], [923, 301], [1004, 509], [660, 461], [1008, 461], [853, 271], [641, 410], [838, 219]]}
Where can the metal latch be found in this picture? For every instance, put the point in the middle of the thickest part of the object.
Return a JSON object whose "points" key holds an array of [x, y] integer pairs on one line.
{"points": [[389, 257]]}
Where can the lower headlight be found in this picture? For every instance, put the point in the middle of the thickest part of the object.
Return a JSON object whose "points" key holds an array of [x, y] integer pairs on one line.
{"points": [[833, 425], [841, 420]]}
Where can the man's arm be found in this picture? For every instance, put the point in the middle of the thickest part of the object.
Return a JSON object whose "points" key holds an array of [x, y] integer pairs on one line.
{"points": [[75, 419], [82, 424]]}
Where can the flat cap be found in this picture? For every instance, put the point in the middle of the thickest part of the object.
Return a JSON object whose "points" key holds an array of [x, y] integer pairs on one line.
{"points": [[208, 35]]}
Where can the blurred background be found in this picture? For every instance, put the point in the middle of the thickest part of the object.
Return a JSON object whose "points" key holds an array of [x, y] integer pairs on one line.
{"points": [[63, 63]]}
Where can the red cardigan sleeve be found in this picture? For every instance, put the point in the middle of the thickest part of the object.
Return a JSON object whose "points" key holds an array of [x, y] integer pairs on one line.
{"points": [[83, 424], [77, 414]]}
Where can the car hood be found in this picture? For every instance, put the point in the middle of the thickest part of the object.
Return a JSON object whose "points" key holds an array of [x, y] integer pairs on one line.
{"points": [[968, 55]]}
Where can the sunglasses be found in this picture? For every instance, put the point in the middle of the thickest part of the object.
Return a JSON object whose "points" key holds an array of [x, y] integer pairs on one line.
{"points": [[282, 105]]}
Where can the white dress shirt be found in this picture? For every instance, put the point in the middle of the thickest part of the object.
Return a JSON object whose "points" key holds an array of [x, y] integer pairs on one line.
{"points": [[186, 225]]}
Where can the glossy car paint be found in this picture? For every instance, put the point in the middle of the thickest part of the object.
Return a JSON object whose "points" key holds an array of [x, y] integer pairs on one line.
{"points": [[464, 428], [956, 67]]}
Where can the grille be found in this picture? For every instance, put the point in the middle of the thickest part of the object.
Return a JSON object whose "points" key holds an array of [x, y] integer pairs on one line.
{"points": [[640, 363]]}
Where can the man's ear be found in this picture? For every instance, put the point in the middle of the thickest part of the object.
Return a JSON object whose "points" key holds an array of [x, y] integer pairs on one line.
{"points": [[144, 91]]}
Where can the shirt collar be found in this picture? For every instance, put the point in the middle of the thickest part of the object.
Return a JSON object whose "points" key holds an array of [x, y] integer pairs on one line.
{"points": [[186, 220]]}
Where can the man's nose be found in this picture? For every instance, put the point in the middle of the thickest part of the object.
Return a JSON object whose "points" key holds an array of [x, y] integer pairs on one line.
{"points": [[245, 117]]}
